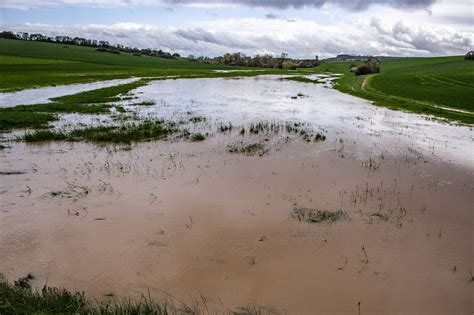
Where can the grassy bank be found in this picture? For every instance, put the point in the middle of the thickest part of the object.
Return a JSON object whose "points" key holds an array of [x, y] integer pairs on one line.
{"points": [[20, 299], [442, 87]]}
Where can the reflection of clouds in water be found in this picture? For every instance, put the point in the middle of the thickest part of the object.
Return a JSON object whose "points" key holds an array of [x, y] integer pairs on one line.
{"points": [[44, 94], [246, 100]]}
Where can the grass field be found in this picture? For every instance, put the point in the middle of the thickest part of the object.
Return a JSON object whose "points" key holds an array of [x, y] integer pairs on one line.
{"points": [[441, 87], [26, 64]]}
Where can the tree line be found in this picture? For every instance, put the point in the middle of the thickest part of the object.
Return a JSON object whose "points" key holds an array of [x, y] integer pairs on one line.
{"points": [[261, 61], [102, 46]]}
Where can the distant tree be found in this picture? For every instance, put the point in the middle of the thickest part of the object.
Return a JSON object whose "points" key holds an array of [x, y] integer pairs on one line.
{"points": [[8, 35], [469, 55], [288, 64]]}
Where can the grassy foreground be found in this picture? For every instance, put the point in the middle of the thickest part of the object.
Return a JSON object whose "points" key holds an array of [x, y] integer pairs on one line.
{"points": [[20, 299]]}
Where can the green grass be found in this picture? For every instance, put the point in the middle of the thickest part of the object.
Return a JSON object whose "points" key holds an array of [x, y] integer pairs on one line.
{"points": [[39, 115], [12, 119], [441, 87], [20, 299], [133, 132], [27, 64]]}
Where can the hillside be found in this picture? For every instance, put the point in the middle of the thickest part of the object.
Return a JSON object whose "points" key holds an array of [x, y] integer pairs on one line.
{"points": [[442, 86], [26, 64]]}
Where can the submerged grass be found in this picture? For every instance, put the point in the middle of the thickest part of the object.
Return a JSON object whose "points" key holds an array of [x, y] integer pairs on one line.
{"points": [[133, 132], [309, 215], [247, 148], [197, 137], [302, 79]]}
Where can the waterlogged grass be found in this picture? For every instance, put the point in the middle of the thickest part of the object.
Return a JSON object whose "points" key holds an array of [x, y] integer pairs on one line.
{"points": [[197, 137], [12, 119], [249, 149], [40, 115], [134, 132], [309, 215], [20, 299], [302, 79]]}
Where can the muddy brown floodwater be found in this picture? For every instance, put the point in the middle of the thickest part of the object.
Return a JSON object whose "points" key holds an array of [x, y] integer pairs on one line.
{"points": [[191, 222]]}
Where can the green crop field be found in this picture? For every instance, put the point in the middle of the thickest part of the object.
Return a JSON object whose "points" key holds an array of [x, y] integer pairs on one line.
{"points": [[441, 87]]}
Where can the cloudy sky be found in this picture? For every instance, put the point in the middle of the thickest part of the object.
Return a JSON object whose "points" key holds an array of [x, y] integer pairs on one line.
{"points": [[301, 28]]}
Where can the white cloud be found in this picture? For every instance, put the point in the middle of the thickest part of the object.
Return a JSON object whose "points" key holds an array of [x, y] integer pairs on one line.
{"points": [[299, 38]]}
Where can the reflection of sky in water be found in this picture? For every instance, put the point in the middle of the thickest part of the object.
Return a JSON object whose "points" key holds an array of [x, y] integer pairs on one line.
{"points": [[42, 95], [247, 100]]}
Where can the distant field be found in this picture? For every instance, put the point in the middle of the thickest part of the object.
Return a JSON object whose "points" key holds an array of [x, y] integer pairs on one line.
{"points": [[26, 64], [442, 87]]}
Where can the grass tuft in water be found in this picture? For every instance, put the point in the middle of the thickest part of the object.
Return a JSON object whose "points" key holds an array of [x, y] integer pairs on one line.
{"points": [[145, 103], [133, 132], [309, 215], [197, 137], [224, 127], [247, 148], [197, 119]]}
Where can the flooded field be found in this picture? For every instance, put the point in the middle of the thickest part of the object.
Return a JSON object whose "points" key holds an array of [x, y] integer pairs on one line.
{"points": [[44, 94], [299, 199]]}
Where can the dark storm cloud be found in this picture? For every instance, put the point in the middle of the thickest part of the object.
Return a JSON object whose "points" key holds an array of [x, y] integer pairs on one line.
{"points": [[347, 4]]}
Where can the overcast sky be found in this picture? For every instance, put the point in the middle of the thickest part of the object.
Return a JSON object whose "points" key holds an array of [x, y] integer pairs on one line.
{"points": [[301, 28]]}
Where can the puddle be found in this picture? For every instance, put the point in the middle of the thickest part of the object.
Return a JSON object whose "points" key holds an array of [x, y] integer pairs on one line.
{"points": [[44, 94], [190, 219]]}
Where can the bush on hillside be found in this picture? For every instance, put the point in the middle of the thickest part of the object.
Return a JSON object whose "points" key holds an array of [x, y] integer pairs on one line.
{"points": [[372, 65], [469, 55]]}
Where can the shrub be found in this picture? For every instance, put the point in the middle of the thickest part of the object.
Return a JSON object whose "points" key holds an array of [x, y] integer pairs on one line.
{"points": [[469, 55], [372, 65]]}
